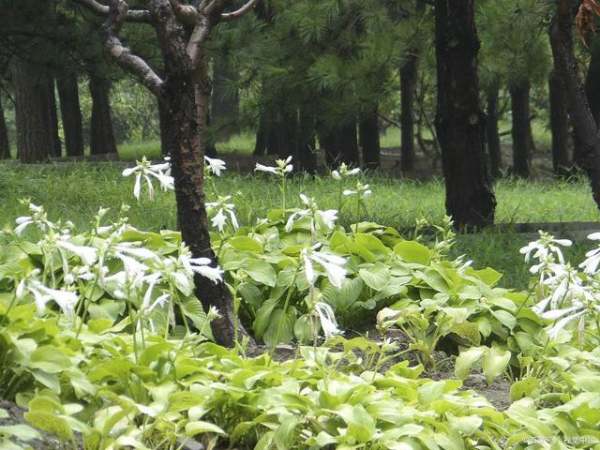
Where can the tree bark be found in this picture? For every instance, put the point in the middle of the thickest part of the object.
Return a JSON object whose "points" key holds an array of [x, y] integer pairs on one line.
{"points": [[559, 125], [584, 124], [521, 129], [52, 117], [492, 133], [68, 93], [341, 144], [4, 142], [408, 89], [102, 137], [369, 139], [31, 112], [592, 81], [459, 120]]}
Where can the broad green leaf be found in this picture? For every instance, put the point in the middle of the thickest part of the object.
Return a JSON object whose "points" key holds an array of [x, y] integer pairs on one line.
{"points": [[466, 360], [200, 427], [413, 252], [261, 272], [376, 276], [50, 423], [245, 243], [523, 388], [495, 362], [361, 426]]}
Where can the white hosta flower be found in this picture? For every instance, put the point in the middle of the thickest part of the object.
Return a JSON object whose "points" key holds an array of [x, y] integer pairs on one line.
{"points": [[146, 171], [327, 217], [332, 264], [200, 266], [344, 172], [592, 261], [282, 167], [545, 248], [37, 217], [225, 211], [214, 166], [361, 190], [327, 319], [66, 300], [88, 255]]}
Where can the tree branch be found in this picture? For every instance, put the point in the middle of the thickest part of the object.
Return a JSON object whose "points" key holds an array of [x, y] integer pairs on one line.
{"points": [[136, 15], [240, 12], [187, 14], [118, 11]]}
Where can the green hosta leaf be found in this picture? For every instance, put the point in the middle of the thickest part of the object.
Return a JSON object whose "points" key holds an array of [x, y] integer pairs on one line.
{"points": [[251, 294], [376, 276], [261, 272], [495, 362], [50, 423], [361, 426], [199, 427], [505, 318], [183, 401], [343, 299], [281, 327], [284, 436], [304, 329], [466, 360], [523, 388], [488, 275], [21, 432], [465, 425], [49, 359], [246, 244], [413, 252], [263, 316], [371, 243]]}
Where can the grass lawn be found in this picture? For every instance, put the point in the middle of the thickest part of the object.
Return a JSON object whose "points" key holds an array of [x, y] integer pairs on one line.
{"points": [[76, 191]]}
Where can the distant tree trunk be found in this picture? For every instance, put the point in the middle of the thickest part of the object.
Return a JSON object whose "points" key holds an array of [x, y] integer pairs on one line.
{"points": [[369, 139], [559, 125], [408, 87], [225, 109], [492, 133], [4, 143], [52, 116], [102, 139], [460, 120], [585, 128], [521, 128], [592, 81], [31, 112], [341, 144], [68, 93], [305, 154]]}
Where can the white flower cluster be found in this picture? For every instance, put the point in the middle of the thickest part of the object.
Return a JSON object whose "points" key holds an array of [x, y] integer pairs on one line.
{"points": [[566, 295], [146, 171], [282, 168]]}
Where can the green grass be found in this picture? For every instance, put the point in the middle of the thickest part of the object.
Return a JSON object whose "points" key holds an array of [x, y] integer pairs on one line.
{"points": [[75, 191]]}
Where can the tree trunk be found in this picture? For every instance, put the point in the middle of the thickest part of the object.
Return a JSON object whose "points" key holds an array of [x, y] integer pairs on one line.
{"points": [[225, 109], [492, 133], [186, 100], [68, 93], [52, 117], [341, 144], [31, 112], [592, 81], [460, 120], [369, 139], [163, 122], [305, 148], [102, 139], [585, 128], [408, 88], [4, 143], [559, 125], [521, 129]]}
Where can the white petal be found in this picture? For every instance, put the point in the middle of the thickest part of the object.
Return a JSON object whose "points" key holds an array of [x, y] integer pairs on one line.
{"points": [[262, 168], [594, 236], [214, 274], [137, 186]]}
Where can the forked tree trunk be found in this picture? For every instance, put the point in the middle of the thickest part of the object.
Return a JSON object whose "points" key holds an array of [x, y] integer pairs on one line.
{"points": [[4, 143], [492, 132], [460, 120], [585, 128], [408, 89], [368, 129], [31, 112], [559, 125], [102, 137], [521, 129], [68, 93]]}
